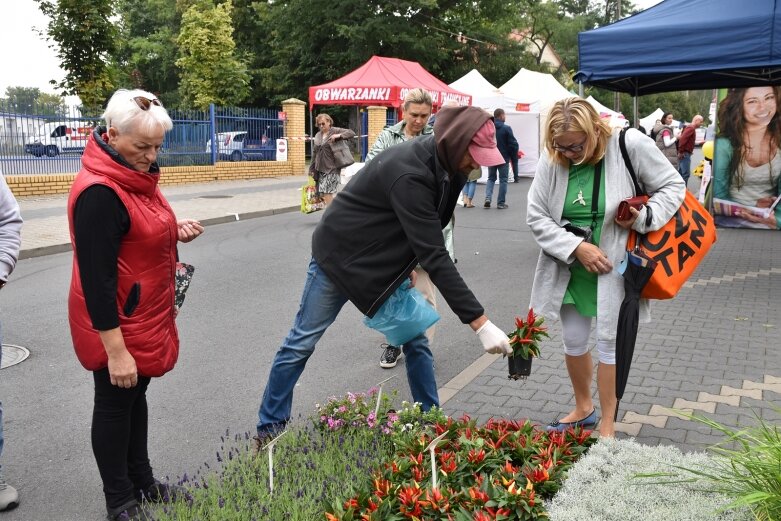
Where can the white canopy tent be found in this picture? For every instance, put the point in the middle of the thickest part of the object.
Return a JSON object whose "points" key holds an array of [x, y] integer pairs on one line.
{"points": [[483, 94], [649, 121], [529, 95], [617, 120]]}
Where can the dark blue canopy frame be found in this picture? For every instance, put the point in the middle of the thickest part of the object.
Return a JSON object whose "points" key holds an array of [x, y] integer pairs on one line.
{"points": [[685, 45]]}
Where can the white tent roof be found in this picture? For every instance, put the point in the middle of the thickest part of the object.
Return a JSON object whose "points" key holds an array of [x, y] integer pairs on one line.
{"points": [[483, 93], [616, 118], [535, 88], [649, 121]]}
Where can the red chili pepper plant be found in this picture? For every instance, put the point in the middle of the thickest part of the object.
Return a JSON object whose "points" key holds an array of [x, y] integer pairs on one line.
{"points": [[501, 471], [525, 341]]}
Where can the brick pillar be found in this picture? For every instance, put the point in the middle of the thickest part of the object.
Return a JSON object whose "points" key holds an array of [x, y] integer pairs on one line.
{"points": [[296, 127], [377, 122]]}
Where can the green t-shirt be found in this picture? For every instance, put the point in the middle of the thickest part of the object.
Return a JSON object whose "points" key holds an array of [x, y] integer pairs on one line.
{"points": [[582, 288]]}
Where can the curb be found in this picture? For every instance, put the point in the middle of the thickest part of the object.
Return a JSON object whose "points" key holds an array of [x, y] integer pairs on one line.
{"points": [[234, 217]]}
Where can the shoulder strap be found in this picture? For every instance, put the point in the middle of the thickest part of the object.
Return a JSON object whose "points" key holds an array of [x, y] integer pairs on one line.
{"points": [[627, 161], [595, 193]]}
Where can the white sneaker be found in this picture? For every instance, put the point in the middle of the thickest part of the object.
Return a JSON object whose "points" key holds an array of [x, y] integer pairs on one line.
{"points": [[9, 498]]}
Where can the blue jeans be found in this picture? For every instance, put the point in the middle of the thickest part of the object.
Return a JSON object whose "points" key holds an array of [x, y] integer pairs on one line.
{"points": [[320, 305], [685, 167], [469, 189], [489, 188]]}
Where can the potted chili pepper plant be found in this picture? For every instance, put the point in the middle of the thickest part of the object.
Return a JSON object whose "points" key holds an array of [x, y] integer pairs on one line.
{"points": [[525, 341]]}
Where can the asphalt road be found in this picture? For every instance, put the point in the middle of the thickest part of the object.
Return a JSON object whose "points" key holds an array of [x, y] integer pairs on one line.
{"points": [[245, 293]]}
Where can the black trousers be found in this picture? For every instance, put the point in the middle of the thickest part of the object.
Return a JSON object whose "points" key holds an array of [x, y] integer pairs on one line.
{"points": [[119, 439]]}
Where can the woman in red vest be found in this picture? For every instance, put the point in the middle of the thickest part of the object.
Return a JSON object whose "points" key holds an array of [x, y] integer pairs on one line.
{"points": [[121, 301]]}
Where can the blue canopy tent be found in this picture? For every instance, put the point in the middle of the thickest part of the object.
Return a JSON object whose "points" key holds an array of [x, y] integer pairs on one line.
{"points": [[685, 45]]}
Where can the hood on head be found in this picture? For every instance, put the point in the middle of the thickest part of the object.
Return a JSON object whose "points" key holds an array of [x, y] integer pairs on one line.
{"points": [[454, 128]]}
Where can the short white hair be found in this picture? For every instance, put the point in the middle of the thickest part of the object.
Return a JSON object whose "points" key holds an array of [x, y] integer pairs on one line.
{"points": [[124, 114]]}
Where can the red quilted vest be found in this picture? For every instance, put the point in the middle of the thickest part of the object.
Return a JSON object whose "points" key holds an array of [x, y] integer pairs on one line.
{"points": [[147, 256]]}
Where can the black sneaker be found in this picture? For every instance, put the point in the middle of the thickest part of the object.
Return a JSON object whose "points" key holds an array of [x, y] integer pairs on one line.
{"points": [[487, 204], [159, 492], [133, 512], [390, 356], [502, 206]]}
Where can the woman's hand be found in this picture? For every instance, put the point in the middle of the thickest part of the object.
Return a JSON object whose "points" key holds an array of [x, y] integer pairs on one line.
{"points": [[765, 202], [413, 278], [121, 364], [627, 224], [189, 229], [593, 259], [334, 138], [769, 221]]}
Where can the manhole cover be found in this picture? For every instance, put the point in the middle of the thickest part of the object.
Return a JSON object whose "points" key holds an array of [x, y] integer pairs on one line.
{"points": [[215, 197], [13, 355]]}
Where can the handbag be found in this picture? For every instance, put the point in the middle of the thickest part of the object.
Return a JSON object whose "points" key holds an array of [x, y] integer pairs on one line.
{"points": [[678, 247], [310, 200], [402, 317], [343, 156], [182, 278]]}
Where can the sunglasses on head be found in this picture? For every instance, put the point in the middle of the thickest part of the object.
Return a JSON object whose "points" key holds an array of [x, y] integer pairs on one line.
{"points": [[144, 103]]}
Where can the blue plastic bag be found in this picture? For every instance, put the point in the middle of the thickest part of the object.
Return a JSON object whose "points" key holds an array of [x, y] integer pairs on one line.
{"points": [[402, 317]]}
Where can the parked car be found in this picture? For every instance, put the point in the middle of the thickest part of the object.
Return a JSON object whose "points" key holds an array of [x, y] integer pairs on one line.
{"points": [[248, 145], [699, 136], [54, 138]]}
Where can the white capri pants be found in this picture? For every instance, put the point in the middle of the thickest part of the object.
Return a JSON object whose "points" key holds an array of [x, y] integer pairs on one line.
{"points": [[576, 330]]}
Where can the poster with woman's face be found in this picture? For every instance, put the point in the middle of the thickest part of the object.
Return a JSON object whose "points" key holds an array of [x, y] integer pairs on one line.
{"points": [[747, 159]]}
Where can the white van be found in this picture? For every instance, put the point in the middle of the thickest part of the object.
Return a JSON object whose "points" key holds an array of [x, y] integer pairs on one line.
{"points": [[52, 139]]}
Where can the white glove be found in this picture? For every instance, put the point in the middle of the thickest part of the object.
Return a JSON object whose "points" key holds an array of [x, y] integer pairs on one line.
{"points": [[494, 340]]}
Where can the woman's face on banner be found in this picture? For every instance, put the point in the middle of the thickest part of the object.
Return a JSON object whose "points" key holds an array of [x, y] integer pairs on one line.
{"points": [[759, 106]]}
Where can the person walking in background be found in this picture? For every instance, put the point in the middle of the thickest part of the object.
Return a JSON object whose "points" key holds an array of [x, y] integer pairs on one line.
{"points": [[121, 300], [470, 187], [686, 148], [747, 165], [664, 135], [508, 147], [385, 221], [323, 166], [10, 241], [575, 280], [416, 112]]}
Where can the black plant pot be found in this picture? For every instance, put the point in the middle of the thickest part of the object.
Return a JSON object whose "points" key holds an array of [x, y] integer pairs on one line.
{"points": [[519, 367]]}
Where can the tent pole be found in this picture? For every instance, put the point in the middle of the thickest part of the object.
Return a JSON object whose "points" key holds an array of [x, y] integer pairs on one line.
{"points": [[311, 132], [634, 106], [580, 89]]}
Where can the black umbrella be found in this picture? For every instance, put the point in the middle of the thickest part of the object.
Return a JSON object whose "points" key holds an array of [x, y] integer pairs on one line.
{"points": [[637, 273]]}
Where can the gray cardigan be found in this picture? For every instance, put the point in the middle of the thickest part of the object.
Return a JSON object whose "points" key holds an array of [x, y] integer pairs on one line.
{"points": [[10, 230], [546, 205]]}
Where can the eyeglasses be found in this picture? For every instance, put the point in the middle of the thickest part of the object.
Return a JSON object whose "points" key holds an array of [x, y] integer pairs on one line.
{"points": [[322, 124], [574, 149], [144, 103]]}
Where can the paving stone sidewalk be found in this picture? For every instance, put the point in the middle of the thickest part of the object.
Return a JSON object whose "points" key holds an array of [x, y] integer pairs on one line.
{"points": [[714, 349]]}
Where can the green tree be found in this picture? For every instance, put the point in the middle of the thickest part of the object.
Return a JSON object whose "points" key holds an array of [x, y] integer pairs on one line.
{"points": [[30, 100], [148, 50], [85, 41], [293, 46], [210, 70]]}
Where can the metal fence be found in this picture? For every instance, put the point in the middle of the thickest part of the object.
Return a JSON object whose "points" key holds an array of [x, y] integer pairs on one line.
{"points": [[50, 139]]}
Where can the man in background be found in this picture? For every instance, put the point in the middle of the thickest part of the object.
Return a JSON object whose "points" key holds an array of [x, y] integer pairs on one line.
{"points": [[10, 241], [508, 147]]}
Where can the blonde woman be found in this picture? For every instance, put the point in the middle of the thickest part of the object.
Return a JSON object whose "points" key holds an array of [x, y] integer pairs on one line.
{"points": [[575, 279], [323, 167]]}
